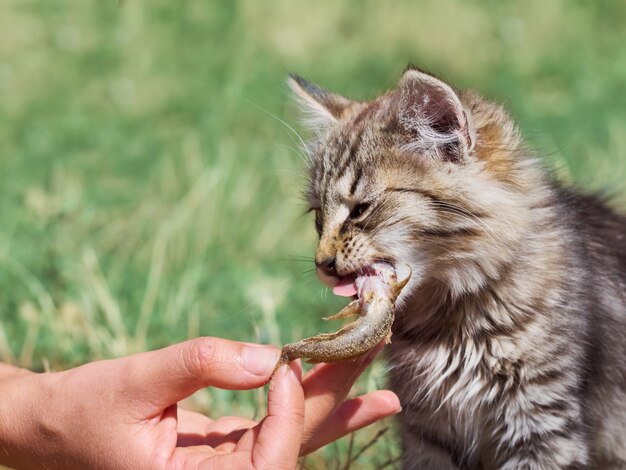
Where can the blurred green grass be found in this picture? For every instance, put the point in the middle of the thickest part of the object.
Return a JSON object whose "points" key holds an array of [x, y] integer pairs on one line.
{"points": [[151, 193]]}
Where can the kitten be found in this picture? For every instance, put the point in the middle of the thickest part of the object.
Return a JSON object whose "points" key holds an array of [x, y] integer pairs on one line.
{"points": [[508, 347]]}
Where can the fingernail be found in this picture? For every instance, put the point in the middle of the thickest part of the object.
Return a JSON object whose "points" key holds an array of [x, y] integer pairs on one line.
{"points": [[287, 372], [295, 372], [260, 360]]}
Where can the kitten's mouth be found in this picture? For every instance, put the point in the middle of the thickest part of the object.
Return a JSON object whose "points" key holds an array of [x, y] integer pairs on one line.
{"points": [[351, 284]]}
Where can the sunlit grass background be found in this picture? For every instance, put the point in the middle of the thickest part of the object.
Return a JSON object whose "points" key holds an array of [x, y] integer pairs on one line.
{"points": [[150, 191]]}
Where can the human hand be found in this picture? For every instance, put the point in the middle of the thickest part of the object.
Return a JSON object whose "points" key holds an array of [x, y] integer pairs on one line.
{"points": [[122, 413]]}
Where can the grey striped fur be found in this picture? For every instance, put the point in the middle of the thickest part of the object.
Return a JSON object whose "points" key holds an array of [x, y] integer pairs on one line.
{"points": [[509, 348]]}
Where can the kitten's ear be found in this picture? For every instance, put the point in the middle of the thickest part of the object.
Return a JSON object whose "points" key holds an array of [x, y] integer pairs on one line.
{"points": [[321, 107], [433, 117]]}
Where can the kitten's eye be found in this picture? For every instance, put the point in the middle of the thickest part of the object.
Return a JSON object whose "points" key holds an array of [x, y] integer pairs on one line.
{"points": [[359, 210]]}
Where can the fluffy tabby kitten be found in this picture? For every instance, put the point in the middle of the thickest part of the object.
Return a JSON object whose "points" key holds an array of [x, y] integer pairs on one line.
{"points": [[509, 347]]}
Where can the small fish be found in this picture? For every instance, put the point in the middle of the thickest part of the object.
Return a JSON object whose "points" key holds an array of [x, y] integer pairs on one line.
{"points": [[375, 307]]}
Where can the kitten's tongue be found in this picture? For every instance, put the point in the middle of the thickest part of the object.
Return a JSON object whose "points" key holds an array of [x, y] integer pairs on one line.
{"points": [[379, 277], [346, 287]]}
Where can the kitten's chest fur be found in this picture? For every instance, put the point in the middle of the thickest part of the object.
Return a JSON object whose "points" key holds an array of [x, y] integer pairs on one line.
{"points": [[523, 356], [453, 374]]}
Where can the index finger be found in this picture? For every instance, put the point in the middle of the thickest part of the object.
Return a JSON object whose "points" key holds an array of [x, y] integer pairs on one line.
{"points": [[327, 386], [277, 445]]}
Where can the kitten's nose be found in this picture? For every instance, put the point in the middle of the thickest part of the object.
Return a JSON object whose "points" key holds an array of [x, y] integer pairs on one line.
{"points": [[327, 265]]}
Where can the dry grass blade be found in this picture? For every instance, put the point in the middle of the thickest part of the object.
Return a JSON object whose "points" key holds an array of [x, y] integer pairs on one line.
{"points": [[362, 450], [389, 463]]}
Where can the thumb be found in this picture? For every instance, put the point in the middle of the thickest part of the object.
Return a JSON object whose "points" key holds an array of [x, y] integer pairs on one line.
{"points": [[168, 375]]}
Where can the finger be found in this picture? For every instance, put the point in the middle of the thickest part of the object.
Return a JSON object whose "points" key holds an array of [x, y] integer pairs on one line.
{"points": [[279, 435], [191, 428], [316, 381], [327, 386], [227, 424], [168, 375], [190, 422], [227, 429], [248, 440], [228, 442], [352, 415]]}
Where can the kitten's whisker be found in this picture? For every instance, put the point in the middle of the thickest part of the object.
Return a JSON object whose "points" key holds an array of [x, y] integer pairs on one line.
{"points": [[306, 149], [298, 152], [308, 275]]}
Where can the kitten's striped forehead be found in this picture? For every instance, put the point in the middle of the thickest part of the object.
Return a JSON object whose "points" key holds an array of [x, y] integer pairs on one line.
{"points": [[346, 158], [342, 157]]}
